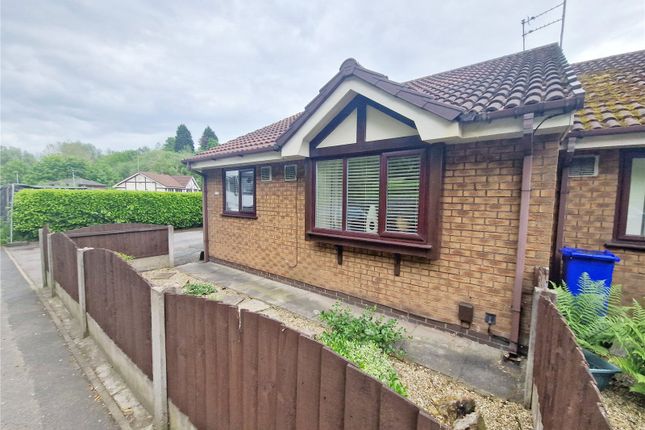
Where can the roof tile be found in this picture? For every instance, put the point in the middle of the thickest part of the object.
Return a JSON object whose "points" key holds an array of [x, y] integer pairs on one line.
{"points": [[615, 89]]}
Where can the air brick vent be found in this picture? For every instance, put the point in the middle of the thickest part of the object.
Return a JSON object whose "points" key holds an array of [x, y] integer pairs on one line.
{"points": [[290, 172], [584, 166]]}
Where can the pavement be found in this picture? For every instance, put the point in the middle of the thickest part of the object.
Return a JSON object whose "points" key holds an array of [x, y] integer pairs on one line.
{"points": [[42, 385], [480, 366]]}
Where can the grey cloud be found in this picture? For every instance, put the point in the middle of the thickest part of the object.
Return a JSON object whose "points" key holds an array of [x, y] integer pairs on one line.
{"points": [[123, 74]]}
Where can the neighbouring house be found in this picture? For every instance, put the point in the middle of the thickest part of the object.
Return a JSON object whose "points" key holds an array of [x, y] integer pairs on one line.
{"points": [[76, 182], [149, 181], [602, 191], [433, 198]]}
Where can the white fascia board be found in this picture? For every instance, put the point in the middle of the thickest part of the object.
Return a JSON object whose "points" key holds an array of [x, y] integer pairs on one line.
{"points": [[510, 128], [608, 141], [430, 126], [244, 160]]}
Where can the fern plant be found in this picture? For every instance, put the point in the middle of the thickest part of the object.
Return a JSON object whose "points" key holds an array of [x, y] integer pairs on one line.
{"points": [[630, 336], [592, 314]]}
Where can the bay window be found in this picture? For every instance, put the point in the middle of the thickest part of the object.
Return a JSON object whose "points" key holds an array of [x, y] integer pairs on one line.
{"points": [[380, 200], [239, 192]]}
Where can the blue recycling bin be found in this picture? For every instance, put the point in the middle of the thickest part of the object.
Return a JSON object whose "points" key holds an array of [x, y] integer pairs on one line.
{"points": [[598, 264]]}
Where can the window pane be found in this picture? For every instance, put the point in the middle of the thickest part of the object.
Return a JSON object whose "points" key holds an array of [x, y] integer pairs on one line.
{"points": [[403, 186], [232, 191], [363, 194], [636, 204], [329, 194], [248, 183]]}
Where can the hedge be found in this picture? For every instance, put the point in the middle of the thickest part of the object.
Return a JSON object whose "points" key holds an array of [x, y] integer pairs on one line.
{"points": [[69, 209]]}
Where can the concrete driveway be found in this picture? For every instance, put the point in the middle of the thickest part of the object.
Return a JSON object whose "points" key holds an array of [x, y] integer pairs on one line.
{"points": [[188, 245]]}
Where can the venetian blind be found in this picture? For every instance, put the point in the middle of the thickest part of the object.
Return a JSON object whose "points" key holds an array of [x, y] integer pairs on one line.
{"points": [[403, 188], [363, 194], [329, 194]]}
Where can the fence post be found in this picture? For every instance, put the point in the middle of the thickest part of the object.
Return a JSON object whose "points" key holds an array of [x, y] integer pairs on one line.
{"points": [[41, 241], [50, 264], [158, 334], [80, 270], [171, 245], [541, 279]]}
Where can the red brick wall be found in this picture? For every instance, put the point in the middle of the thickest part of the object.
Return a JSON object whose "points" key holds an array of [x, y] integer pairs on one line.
{"points": [[480, 210], [589, 224]]}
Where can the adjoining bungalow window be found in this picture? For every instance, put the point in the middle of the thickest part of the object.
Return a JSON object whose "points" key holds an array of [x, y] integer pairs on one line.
{"points": [[631, 205], [239, 192], [371, 196]]}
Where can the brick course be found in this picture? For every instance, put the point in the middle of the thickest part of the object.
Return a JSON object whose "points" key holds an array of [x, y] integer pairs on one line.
{"points": [[479, 213], [589, 223]]}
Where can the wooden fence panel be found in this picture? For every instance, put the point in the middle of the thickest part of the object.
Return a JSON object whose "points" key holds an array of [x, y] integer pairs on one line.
{"points": [[230, 370], [65, 271], [561, 378], [362, 400], [287, 379], [308, 380], [332, 390], [137, 240], [118, 299]]}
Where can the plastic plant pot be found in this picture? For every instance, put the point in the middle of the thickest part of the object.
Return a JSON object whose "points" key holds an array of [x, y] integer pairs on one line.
{"points": [[601, 370]]}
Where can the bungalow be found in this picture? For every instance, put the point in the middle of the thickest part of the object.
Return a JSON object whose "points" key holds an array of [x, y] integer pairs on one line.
{"points": [[602, 190], [433, 198], [149, 181]]}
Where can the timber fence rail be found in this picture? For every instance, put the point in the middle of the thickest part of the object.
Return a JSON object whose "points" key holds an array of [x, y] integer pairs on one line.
{"points": [[565, 395]]}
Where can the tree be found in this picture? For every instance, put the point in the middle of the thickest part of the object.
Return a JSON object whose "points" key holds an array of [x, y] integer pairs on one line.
{"points": [[169, 145], [184, 140], [56, 166], [15, 161], [83, 151], [208, 139]]}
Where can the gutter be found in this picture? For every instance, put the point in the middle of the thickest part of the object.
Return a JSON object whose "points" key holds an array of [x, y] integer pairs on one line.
{"points": [[520, 261]]}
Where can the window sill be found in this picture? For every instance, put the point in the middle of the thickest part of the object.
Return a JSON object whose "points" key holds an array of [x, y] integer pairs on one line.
{"points": [[239, 215], [380, 244], [636, 246]]}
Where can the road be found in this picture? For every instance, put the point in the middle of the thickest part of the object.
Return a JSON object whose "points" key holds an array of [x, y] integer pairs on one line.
{"points": [[41, 386]]}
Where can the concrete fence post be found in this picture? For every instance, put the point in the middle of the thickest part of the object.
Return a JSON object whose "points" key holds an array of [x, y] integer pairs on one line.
{"points": [[82, 302], [171, 245], [159, 381], [42, 239], [50, 265]]}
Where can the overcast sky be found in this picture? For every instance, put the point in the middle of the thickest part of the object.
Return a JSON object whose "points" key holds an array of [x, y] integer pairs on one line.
{"points": [[124, 74]]}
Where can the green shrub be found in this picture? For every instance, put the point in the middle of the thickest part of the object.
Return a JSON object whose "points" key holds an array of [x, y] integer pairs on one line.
{"points": [[592, 314], [364, 328], [368, 357], [69, 209], [198, 289], [366, 341], [630, 336]]}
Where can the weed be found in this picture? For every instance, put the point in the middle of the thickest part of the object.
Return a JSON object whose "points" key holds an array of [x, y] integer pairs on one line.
{"points": [[198, 289]]}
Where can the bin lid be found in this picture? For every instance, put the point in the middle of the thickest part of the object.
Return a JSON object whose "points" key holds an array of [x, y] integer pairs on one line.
{"points": [[589, 254]]}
